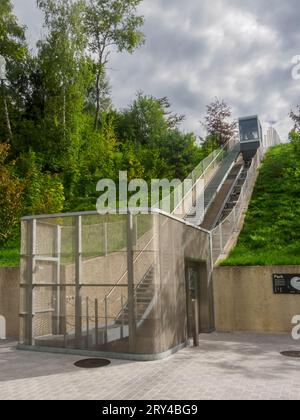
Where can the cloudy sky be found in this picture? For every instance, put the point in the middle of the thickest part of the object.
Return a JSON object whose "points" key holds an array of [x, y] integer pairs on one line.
{"points": [[239, 50]]}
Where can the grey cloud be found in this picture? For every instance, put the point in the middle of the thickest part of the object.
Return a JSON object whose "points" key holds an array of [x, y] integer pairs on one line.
{"points": [[237, 49]]}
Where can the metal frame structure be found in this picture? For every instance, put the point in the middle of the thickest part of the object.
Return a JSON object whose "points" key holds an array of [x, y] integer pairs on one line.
{"points": [[116, 284]]}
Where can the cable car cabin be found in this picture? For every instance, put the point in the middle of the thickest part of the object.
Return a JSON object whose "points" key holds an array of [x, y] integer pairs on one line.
{"points": [[250, 136]]}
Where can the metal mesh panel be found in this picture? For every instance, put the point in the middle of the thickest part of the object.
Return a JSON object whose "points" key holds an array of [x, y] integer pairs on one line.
{"points": [[91, 292], [45, 239]]}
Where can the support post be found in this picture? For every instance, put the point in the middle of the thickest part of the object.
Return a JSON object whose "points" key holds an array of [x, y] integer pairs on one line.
{"points": [[122, 318], [78, 269], [30, 284], [221, 238], [131, 291], [96, 323], [87, 322], [57, 313], [106, 320], [195, 322]]}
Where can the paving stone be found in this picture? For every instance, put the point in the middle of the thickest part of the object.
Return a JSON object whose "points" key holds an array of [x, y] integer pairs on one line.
{"points": [[225, 366]]}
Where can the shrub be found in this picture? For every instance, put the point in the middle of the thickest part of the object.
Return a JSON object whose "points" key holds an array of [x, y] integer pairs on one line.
{"points": [[11, 196], [44, 193]]}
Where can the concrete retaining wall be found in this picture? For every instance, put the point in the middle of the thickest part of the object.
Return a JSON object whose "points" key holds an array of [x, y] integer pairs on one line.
{"points": [[9, 299], [244, 299]]}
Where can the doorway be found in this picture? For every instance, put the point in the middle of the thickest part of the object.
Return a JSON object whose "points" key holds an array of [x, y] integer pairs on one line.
{"points": [[193, 300]]}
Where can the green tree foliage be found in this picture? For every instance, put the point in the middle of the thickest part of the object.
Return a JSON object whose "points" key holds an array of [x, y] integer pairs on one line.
{"points": [[11, 194], [12, 35], [110, 24], [13, 48], [161, 149], [43, 192], [64, 75], [66, 134]]}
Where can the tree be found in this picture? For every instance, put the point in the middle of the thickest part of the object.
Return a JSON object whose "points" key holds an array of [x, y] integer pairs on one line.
{"points": [[160, 148], [61, 77], [295, 116], [11, 194], [13, 48], [173, 119], [12, 35], [110, 24], [218, 122]]}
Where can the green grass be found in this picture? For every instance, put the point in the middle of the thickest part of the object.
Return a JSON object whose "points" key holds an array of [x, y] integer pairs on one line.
{"points": [[271, 234], [92, 242], [10, 254]]}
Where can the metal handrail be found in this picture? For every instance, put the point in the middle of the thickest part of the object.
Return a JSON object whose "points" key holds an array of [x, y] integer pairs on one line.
{"points": [[211, 164], [244, 190], [202, 174]]}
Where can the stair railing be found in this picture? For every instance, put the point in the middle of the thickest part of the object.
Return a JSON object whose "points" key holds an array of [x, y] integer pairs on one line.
{"points": [[204, 172]]}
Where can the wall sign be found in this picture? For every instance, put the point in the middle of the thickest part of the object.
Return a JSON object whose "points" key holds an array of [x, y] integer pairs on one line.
{"points": [[286, 284]]}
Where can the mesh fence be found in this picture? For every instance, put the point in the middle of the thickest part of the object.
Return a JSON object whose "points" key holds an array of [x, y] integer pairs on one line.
{"points": [[106, 283]]}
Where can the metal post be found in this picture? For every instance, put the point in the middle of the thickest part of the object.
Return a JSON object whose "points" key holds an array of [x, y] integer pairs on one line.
{"points": [[221, 238], [122, 317], [106, 320], [78, 269], [195, 322], [57, 329], [96, 323], [87, 322], [234, 218], [131, 299], [136, 231], [29, 290], [194, 196], [211, 250]]}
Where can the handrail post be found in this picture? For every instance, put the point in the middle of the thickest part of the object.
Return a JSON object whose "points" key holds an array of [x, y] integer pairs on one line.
{"points": [[131, 298], [221, 239], [30, 284], [87, 322], [106, 320], [96, 323], [122, 317], [78, 269]]}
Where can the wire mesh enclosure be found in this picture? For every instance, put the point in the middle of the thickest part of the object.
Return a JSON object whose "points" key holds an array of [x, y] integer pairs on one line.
{"points": [[107, 283]]}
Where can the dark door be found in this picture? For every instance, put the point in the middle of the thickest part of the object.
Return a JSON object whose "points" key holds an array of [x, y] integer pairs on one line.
{"points": [[193, 299]]}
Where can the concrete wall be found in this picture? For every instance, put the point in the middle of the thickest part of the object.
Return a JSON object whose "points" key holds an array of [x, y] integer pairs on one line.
{"points": [[9, 299], [244, 299]]}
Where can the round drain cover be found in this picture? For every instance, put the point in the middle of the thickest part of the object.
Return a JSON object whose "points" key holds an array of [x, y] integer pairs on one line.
{"points": [[92, 363], [293, 354]]}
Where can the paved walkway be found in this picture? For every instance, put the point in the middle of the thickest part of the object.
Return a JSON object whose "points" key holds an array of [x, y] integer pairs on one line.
{"points": [[226, 366]]}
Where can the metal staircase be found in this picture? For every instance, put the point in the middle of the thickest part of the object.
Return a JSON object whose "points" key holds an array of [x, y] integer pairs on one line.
{"points": [[144, 294], [235, 193], [195, 216]]}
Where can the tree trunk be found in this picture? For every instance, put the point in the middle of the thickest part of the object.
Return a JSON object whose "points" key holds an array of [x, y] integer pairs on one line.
{"points": [[97, 114], [6, 112]]}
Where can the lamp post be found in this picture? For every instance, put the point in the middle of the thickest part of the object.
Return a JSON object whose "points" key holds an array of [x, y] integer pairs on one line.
{"points": [[3, 79]]}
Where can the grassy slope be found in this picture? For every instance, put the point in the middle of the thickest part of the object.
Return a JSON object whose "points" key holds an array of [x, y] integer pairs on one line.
{"points": [[10, 254], [92, 243], [271, 235]]}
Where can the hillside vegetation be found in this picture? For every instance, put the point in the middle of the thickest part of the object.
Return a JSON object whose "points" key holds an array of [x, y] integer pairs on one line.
{"points": [[271, 234]]}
